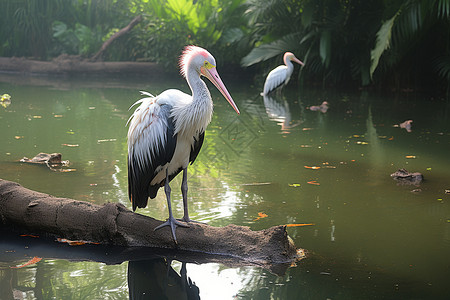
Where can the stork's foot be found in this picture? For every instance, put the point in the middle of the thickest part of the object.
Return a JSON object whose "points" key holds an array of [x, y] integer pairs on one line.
{"points": [[173, 223]]}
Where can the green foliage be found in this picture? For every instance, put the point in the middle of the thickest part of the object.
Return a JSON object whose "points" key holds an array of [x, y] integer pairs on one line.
{"points": [[80, 40], [357, 42], [410, 21], [325, 34], [27, 28], [383, 40], [352, 41], [172, 24]]}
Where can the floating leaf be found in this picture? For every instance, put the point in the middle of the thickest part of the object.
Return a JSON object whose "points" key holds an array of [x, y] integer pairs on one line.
{"points": [[18, 137], [30, 262], [410, 156], [313, 182], [106, 140], [294, 184], [70, 145], [362, 143], [260, 216], [70, 132], [313, 167], [37, 117], [75, 243], [66, 170], [5, 100], [30, 235], [5, 97], [298, 225], [391, 138], [58, 116]]}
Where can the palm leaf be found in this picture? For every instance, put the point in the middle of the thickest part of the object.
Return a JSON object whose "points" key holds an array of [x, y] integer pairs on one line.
{"points": [[325, 47], [267, 51], [262, 53], [442, 66], [383, 41], [444, 8]]}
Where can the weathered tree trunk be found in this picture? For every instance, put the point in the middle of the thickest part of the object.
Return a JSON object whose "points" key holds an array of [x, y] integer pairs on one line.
{"points": [[116, 35], [113, 224]]}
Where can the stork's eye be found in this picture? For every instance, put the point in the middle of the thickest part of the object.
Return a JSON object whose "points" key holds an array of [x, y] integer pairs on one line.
{"points": [[208, 65]]}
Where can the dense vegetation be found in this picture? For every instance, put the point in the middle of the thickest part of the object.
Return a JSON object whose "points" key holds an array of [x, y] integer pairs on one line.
{"points": [[393, 43]]}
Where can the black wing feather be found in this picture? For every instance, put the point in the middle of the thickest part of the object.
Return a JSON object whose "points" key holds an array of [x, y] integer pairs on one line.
{"points": [[196, 147], [140, 175]]}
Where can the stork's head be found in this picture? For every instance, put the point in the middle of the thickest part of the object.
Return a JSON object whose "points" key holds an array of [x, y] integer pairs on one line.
{"points": [[203, 63], [290, 56]]}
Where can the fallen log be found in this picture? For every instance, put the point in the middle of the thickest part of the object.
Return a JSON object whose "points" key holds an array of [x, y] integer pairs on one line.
{"points": [[72, 65], [29, 211]]}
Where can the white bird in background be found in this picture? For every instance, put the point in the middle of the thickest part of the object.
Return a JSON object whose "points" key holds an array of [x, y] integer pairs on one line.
{"points": [[166, 133], [280, 76]]}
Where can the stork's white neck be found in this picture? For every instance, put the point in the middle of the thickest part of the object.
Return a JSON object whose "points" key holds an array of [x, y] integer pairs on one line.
{"points": [[200, 92], [196, 115], [289, 64]]}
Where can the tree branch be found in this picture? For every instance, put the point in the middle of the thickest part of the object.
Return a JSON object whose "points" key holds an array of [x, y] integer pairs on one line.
{"points": [[116, 35]]}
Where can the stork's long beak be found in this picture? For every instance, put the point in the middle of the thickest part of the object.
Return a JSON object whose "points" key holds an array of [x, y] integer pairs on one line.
{"points": [[213, 76], [295, 59]]}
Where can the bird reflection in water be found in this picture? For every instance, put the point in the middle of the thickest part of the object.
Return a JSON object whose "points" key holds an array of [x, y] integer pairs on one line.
{"points": [[156, 279], [277, 109]]}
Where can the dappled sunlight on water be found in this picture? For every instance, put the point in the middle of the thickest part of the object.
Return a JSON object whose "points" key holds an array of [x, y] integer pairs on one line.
{"points": [[277, 163]]}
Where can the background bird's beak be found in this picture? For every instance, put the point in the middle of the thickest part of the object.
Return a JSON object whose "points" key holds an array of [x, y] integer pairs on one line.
{"points": [[213, 76], [295, 59]]}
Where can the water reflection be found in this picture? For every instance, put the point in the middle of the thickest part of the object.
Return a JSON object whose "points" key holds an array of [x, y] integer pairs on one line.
{"points": [[156, 279], [366, 227], [277, 109], [42, 268]]}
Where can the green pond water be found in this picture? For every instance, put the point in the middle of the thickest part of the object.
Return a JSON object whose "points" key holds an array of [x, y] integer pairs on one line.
{"points": [[371, 239]]}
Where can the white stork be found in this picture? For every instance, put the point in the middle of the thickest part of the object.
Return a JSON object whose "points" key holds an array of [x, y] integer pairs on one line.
{"points": [[279, 77], [166, 133]]}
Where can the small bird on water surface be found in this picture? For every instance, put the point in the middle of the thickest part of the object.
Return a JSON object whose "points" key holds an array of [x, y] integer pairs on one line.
{"points": [[166, 133], [279, 77], [322, 107]]}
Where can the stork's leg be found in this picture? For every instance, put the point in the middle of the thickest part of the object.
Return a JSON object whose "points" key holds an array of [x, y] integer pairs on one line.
{"points": [[171, 221], [184, 190]]}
